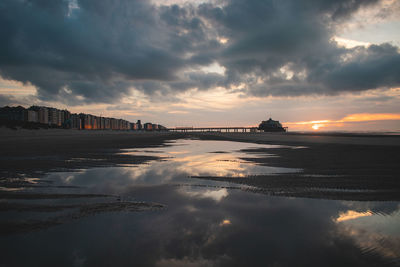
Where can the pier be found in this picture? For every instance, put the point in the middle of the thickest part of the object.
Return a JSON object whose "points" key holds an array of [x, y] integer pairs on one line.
{"points": [[213, 129], [218, 129]]}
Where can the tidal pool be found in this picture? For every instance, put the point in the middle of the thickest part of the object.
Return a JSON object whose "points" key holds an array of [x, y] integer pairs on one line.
{"points": [[201, 222]]}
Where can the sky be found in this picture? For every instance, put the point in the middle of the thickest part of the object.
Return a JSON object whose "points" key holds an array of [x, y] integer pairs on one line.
{"points": [[326, 65]]}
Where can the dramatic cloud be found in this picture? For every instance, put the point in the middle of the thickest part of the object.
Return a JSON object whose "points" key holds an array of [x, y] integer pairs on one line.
{"points": [[94, 50], [79, 51]]}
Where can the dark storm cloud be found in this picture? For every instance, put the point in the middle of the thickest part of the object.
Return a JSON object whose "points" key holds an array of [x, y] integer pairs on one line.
{"points": [[89, 50], [376, 66], [194, 79], [296, 36], [96, 51]]}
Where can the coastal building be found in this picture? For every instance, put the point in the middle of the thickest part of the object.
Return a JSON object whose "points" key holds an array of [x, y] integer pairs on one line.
{"points": [[86, 121], [148, 126], [31, 115], [107, 123], [43, 115], [113, 124], [13, 113], [134, 126], [98, 123], [63, 118], [271, 126], [94, 123], [125, 125], [74, 122], [53, 116], [102, 123]]}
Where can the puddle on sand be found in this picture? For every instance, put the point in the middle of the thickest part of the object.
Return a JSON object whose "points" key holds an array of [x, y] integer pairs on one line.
{"points": [[181, 160], [213, 158], [204, 223]]}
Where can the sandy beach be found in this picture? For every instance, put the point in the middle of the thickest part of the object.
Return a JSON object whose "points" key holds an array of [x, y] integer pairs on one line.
{"points": [[34, 152], [59, 183], [340, 161], [307, 138], [335, 166]]}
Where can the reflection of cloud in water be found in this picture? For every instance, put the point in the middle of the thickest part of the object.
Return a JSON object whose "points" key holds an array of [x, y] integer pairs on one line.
{"points": [[194, 231], [373, 233], [351, 214], [182, 159], [218, 165], [216, 195], [196, 158], [374, 242], [210, 226]]}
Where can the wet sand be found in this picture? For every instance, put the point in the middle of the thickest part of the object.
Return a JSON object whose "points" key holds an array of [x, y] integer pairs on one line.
{"points": [[77, 211], [335, 166], [28, 155], [307, 138], [35, 152], [337, 161], [344, 167]]}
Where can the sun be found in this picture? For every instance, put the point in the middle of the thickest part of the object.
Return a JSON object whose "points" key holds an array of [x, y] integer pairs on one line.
{"points": [[316, 127]]}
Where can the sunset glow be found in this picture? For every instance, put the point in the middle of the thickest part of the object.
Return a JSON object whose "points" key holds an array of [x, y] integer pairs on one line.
{"points": [[166, 70], [371, 117], [316, 126], [338, 124]]}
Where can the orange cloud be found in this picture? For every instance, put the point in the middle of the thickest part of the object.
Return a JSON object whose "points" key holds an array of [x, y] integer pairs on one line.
{"points": [[308, 122], [371, 117]]}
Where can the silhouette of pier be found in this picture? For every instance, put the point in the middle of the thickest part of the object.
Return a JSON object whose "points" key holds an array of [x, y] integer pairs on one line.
{"points": [[220, 129], [213, 129]]}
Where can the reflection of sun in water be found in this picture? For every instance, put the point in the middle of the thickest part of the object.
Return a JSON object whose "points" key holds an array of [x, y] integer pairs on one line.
{"points": [[225, 222]]}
